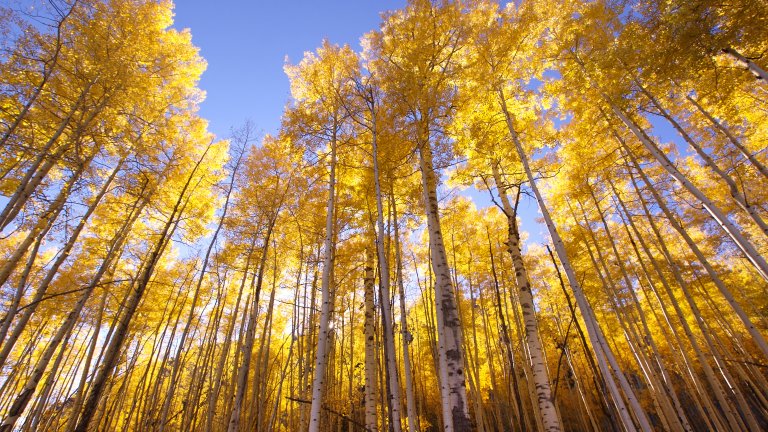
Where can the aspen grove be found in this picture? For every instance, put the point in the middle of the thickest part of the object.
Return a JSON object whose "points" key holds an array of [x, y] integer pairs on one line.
{"points": [[366, 268]]}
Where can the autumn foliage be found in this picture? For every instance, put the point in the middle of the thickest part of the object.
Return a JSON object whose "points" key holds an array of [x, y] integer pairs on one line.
{"points": [[367, 267]]}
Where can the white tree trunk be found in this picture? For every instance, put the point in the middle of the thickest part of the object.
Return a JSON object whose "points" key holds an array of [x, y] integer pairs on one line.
{"points": [[321, 356], [409, 396], [602, 349], [453, 391], [370, 346], [386, 310], [749, 250], [547, 412], [748, 64]]}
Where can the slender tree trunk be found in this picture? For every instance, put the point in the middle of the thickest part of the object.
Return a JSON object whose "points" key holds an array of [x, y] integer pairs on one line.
{"points": [[407, 337], [36, 413], [451, 359], [593, 329], [385, 288], [731, 137], [597, 378], [508, 350], [742, 242], [261, 384], [546, 407], [520, 365], [747, 64], [427, 293], [612, 292], [369, 403], [21, 287], [190, 419], [621, 307], [321, 356], [171, 322], [78, 397], [666, 379]]}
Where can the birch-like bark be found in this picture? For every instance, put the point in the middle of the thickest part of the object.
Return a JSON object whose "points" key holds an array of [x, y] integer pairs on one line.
{"points": [[546, 407], [608, 284], [602, 350], [666, 379], [518, 384], [261, 382], [597, 378], [453, 389], [78, 397], [701, 399], [370, 346], [385, 287], [407, 337], [21, 286], [634, 337], [321, 356], [747, 64]]}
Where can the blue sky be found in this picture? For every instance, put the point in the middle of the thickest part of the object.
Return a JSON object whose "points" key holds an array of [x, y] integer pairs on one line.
{"points": [[246, 43]]}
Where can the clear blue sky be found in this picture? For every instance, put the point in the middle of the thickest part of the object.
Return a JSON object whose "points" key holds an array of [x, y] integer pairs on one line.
{"points": [[246, 43]]}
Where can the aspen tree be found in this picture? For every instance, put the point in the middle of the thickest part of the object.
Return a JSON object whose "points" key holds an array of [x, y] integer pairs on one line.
{"points": [[371, 100], [318, 85], [407, 336], [110, 358], [134, 280], [540, 377], [371, 415], [419, 80]]}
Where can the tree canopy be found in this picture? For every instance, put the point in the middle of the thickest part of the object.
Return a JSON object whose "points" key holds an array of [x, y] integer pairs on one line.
{"points": [[342, 274]]}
